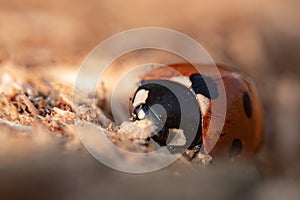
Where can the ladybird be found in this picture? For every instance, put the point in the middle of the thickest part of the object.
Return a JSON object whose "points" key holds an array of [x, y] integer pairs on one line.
{"points": [[168, 101]]}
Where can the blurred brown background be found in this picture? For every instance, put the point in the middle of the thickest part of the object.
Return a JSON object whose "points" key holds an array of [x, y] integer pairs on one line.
{"points": [[261, 38]]}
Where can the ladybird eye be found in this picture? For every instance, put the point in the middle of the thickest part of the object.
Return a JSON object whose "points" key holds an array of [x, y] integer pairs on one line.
{"points": [[236, 148], [247, 104], [140, 112]]}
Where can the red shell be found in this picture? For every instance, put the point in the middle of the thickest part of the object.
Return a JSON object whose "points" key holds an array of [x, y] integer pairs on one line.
{"points": [[242, 133]]}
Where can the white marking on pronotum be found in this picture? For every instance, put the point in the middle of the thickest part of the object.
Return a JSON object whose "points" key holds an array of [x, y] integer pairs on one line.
{"points": [[176, 137], [182, 80], [140, 97], [204, 103]]}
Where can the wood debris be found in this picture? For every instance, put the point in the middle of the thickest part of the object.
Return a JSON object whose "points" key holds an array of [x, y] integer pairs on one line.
{"points": [[28, 102]]}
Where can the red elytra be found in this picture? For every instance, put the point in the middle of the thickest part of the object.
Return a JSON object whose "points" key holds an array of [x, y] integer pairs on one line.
{"points": [[242, 133]]}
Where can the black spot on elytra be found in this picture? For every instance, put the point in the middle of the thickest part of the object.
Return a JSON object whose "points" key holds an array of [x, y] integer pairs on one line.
{"points": [[236, 148], [204, 85], [247, 105]]}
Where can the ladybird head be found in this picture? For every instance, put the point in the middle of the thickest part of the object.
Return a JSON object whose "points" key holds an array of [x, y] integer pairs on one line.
{"points": [[173, 109]]}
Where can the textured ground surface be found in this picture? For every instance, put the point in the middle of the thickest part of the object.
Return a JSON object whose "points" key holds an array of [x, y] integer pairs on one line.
{"points": [[43, 44]]}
